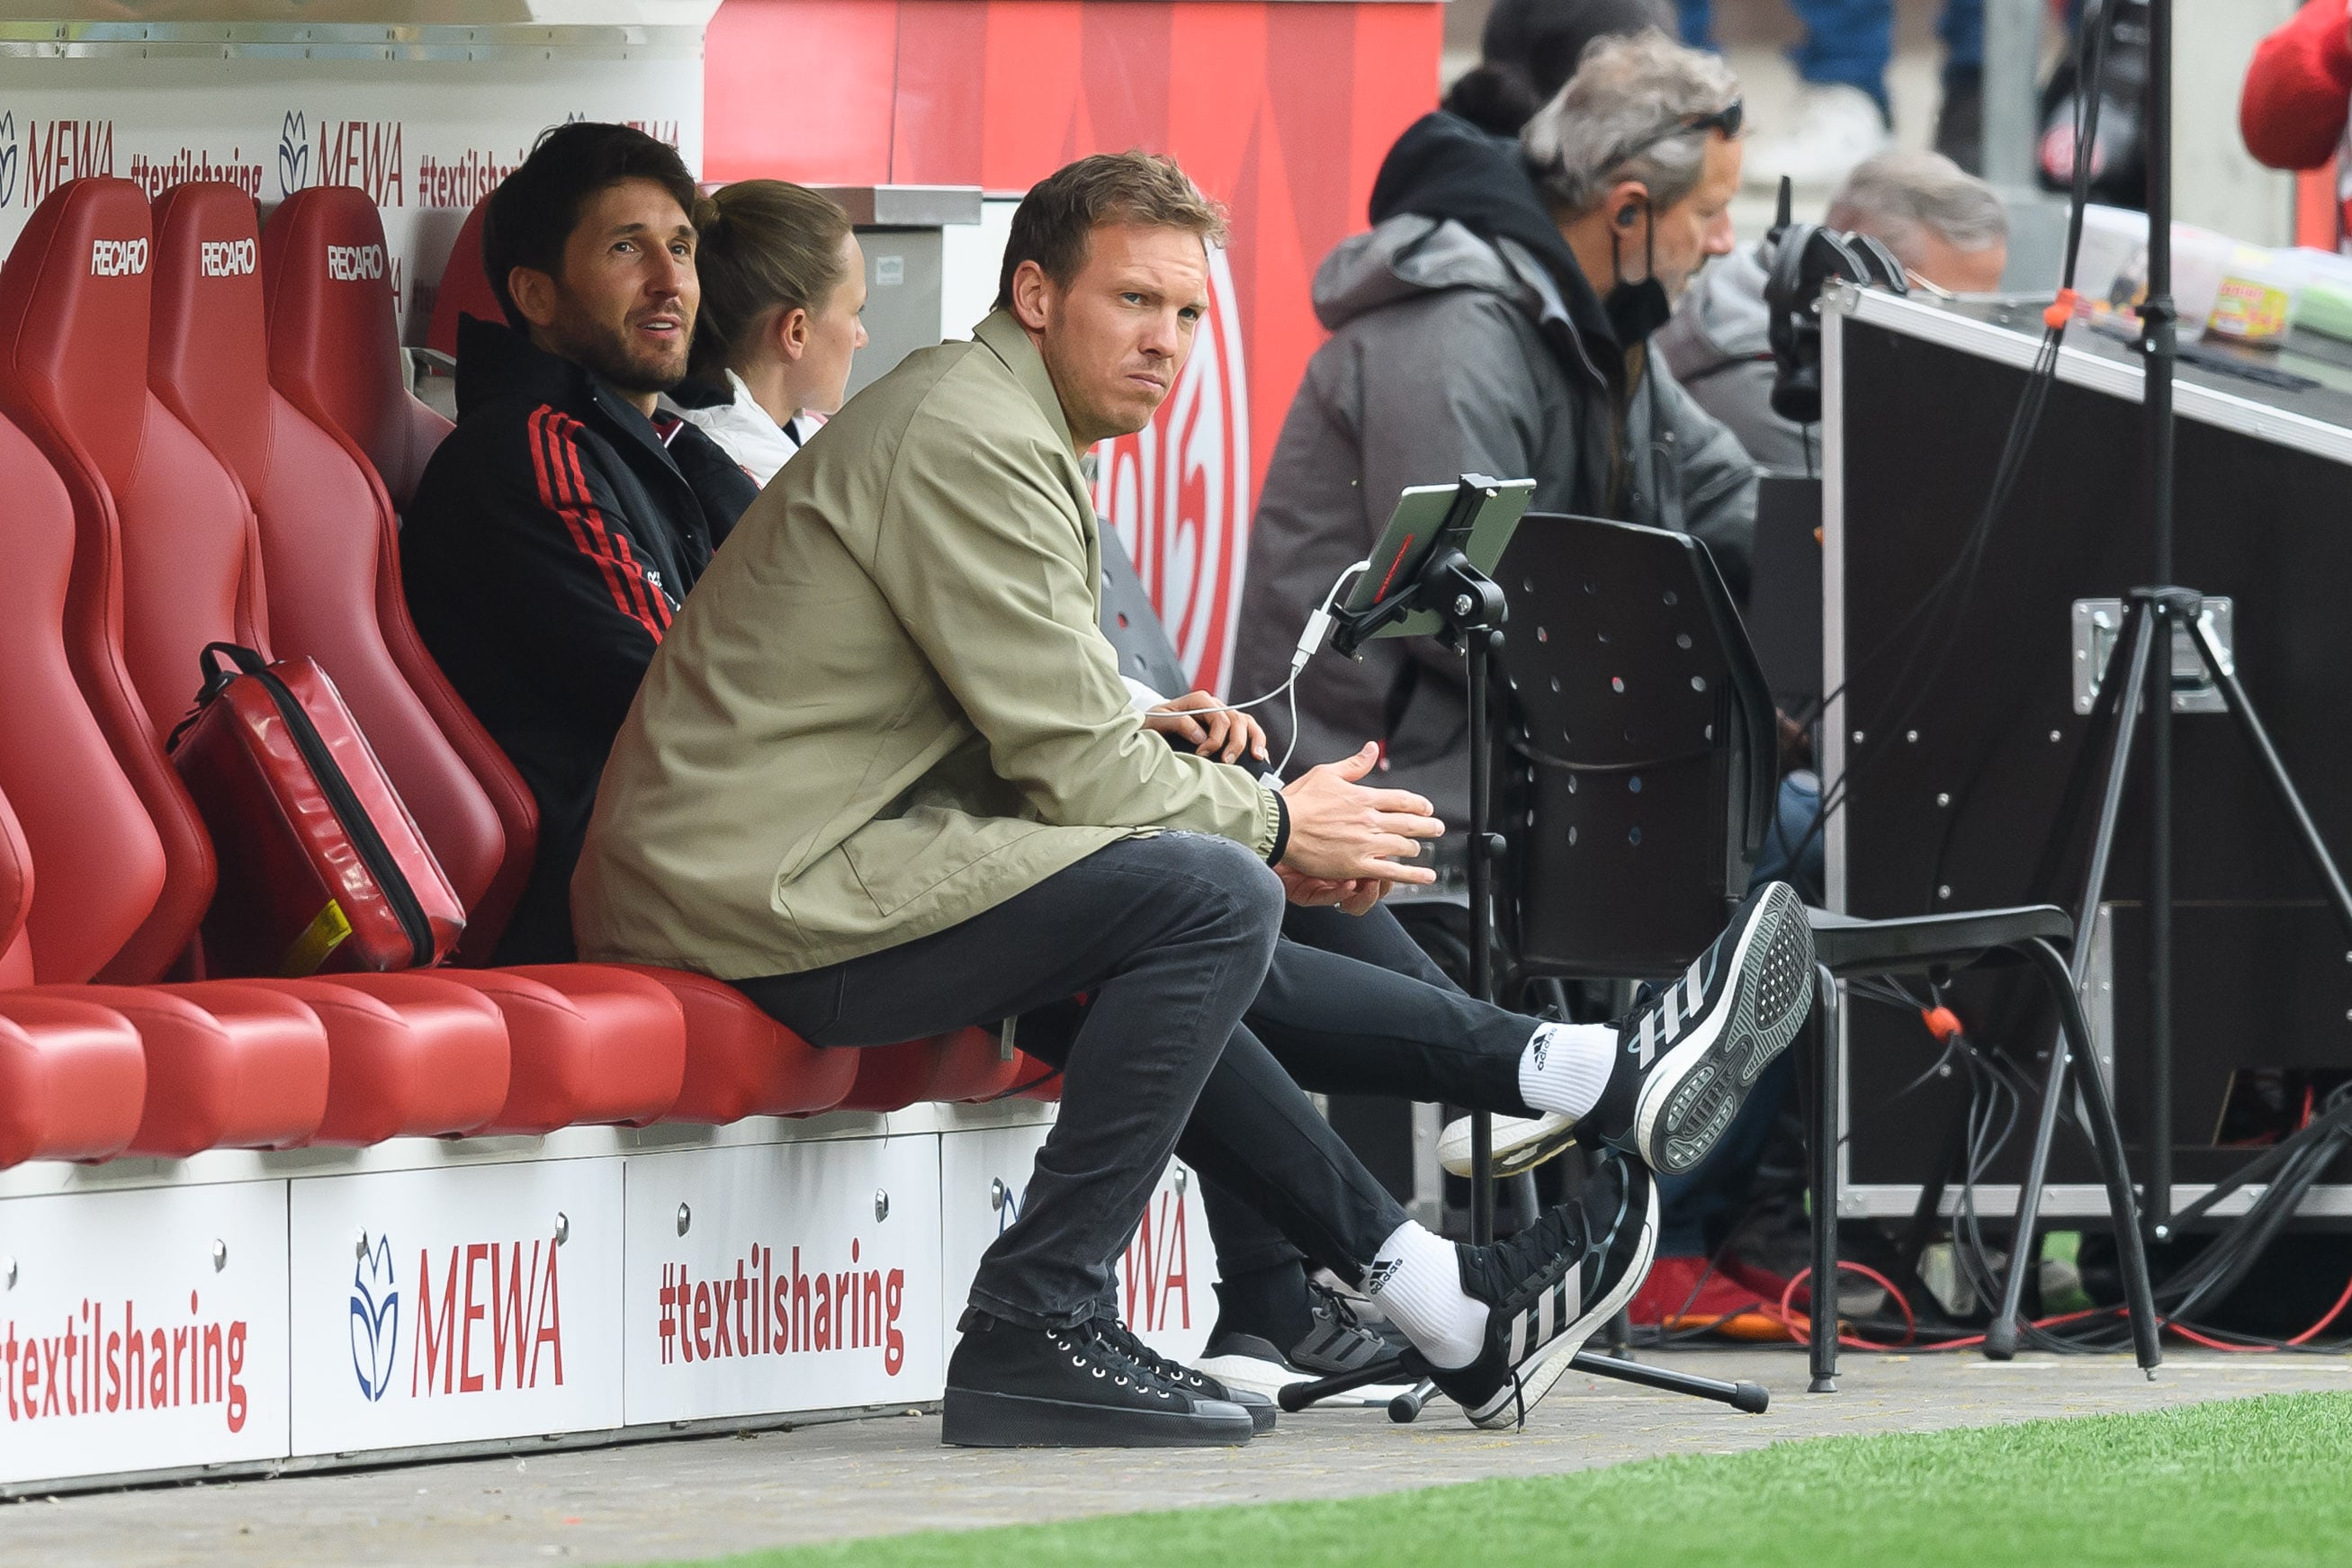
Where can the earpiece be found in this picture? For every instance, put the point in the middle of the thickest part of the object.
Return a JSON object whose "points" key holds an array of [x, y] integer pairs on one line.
{"points": [[1625, 218]]}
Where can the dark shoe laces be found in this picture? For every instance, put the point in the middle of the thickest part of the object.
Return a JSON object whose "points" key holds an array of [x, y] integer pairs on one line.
{"points": [[1088, 1345], [1156, 1368], [1330, 1303], [1515, 1258]]}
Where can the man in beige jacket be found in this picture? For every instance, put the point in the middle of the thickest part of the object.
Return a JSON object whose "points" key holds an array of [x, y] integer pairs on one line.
{"points": [[884, 776]]}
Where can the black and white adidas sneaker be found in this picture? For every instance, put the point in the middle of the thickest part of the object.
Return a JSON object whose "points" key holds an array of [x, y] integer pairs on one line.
{"points": [[1260, 1358], [1690, 1054], [1549, 1288]]}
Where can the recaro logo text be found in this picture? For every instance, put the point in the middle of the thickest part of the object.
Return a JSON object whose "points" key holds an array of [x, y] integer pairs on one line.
{"points": [[225, 259], [117, 257], [354, 263]]}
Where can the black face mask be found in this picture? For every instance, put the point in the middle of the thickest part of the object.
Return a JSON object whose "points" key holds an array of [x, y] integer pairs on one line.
{"points": [[1636, 310]]}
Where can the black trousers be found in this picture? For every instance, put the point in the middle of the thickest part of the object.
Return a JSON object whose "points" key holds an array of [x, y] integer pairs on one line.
{"points": [[1170, 935], [1351, 1005]]}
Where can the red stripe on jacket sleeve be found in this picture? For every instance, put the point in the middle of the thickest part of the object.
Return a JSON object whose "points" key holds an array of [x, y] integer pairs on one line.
{"points": [[651, 602], [550, 447]]}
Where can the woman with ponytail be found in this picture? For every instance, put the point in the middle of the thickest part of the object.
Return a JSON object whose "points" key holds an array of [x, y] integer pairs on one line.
{"points": [[783, 282]]}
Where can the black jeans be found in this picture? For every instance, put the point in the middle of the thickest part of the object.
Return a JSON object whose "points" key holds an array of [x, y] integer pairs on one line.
{"points": [[1170, 935], [1351, 1005]]}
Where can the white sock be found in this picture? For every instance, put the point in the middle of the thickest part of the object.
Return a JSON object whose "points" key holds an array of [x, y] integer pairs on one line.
{"points": [[1566, 1066], [1416, 1278]]}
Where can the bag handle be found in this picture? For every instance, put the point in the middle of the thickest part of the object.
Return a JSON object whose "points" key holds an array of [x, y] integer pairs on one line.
{"points": [[239, 659]]}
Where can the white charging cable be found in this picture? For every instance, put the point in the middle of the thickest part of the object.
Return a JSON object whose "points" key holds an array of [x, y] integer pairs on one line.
{"points": [[1318, 626]]}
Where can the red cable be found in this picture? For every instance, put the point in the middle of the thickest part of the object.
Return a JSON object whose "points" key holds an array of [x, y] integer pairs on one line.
{"points": [[2307, 1336], [1800, 1326]]}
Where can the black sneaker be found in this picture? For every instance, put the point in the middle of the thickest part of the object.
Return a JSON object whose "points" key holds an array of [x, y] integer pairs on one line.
{"points": [[1336, 1340], [1191, 1380], [1691, 1053], [1013, 1387], [1549, 1288]]}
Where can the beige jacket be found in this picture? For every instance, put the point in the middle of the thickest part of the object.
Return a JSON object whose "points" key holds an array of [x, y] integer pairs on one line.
{"points": [[886, 705]]}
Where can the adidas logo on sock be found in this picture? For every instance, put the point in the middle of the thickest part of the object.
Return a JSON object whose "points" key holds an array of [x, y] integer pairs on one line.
{"points": [[1380, 1274], [1542, 1047]]}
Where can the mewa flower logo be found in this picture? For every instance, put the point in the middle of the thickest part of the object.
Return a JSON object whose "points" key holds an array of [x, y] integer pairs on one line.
{"points": [[293, 155], [375, 1318]]}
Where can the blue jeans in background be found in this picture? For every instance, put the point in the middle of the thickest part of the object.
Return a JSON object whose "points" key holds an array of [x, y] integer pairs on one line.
{"points": [[1793, 825], [1848, 42]]}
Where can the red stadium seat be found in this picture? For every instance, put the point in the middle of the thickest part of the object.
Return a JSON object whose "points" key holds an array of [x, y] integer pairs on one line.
{"points": [[465, 287], [73, 1075], [414, 1057], [968, 1065], [333, 565], [740, 1062], [334, 333], [230, 1065], [94, 231], [248, 1061]]}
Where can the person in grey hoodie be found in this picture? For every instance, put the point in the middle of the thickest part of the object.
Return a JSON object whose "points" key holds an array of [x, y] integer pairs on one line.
{"points": [[1495, 320]]}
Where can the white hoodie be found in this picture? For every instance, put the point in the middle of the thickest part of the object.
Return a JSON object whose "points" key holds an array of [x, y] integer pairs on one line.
{"points": [[746, 432]]}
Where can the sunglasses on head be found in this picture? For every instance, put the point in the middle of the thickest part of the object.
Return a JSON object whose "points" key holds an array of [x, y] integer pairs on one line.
{"points": [[1727, 119]]}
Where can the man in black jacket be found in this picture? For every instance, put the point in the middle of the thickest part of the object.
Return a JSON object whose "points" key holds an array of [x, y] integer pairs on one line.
{"points": [[558, 529]]}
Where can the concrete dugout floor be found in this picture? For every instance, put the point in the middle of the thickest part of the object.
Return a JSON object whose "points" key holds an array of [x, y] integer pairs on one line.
{"points": [[703, 1496]]}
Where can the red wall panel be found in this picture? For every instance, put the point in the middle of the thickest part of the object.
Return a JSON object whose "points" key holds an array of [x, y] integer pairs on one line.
{"points": [[799, 90]]}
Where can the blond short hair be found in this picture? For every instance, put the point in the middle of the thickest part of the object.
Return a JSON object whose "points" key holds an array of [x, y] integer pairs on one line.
{"points": [[1059, 216]]}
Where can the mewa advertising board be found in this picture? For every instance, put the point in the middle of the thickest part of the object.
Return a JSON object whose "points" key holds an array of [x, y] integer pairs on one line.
{"points": [[178, 1327], [454, 1304]]}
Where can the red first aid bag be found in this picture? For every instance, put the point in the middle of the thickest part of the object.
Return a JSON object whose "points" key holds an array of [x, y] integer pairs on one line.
{"points": [[322, 867]]}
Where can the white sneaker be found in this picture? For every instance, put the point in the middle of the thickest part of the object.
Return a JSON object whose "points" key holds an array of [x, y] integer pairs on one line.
{"points": [[1521, 1143], [1834, 127]]}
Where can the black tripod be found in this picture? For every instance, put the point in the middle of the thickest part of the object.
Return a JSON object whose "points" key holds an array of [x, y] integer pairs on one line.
{"points": [[1470, 609], [2139, 677]]}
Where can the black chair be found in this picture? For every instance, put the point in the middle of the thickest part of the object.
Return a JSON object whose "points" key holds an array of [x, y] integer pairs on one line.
{"points": [[1639, 779]]}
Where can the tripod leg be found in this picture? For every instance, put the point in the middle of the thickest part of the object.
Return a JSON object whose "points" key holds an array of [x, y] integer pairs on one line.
{"points": [[2001, 1334], [2122, 1208], [2243, 709], [1824, 1152], [1298, 1397], [1748, 1396], [1405, 1408], [2139, 637]]}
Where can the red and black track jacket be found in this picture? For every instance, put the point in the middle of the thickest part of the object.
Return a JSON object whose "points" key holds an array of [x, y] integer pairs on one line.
{"points": [[553, 536]]}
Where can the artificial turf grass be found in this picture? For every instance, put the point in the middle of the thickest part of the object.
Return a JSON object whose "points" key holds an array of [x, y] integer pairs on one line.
{"points": [[2262, 1481]]}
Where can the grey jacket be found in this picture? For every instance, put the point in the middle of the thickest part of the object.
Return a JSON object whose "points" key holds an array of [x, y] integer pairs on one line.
{"points": [[1719, 347], [1450, 355]]}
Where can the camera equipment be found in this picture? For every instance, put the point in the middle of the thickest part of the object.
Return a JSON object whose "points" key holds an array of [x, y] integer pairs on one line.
{"points": [[1805, 258]]}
